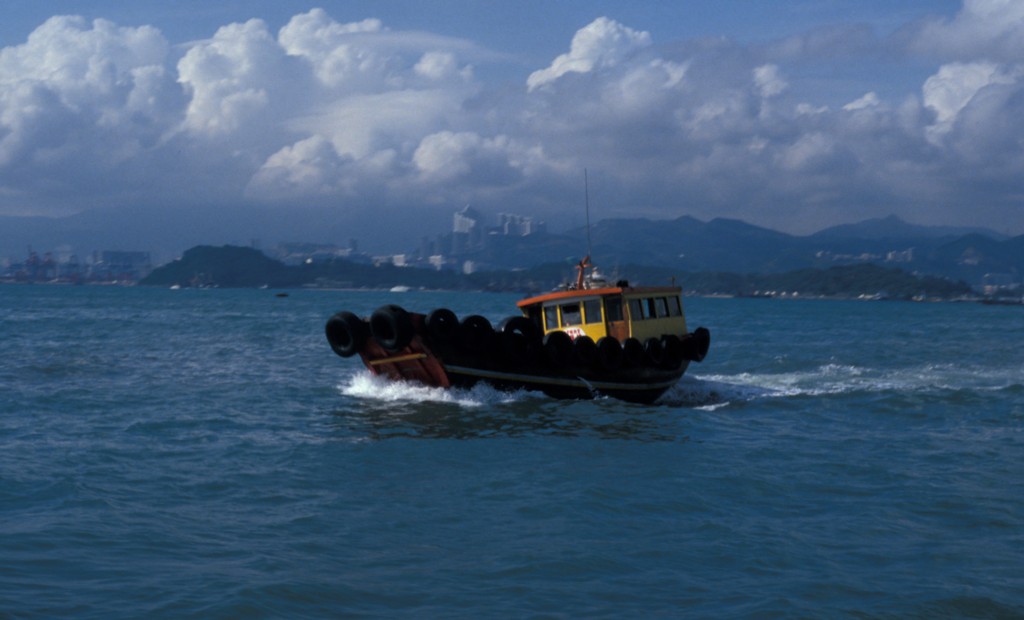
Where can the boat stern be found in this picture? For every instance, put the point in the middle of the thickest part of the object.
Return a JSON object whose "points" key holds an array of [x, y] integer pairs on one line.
{"points": [[390, 343]]}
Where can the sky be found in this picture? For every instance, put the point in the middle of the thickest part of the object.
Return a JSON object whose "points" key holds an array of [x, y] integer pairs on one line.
{"points": [[388, 115]]}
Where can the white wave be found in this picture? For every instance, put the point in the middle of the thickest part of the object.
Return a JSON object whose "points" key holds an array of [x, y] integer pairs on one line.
{"points": [[367, 385], [709, 393], [826, 379], [833, 379]]}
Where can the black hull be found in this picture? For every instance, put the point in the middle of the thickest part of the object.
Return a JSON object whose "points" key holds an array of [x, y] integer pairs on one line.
{"points": [[643, 384], [643, 392]]}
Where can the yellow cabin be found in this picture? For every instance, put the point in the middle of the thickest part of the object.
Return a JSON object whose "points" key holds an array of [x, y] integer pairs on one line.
{"points": [[622, 312]]}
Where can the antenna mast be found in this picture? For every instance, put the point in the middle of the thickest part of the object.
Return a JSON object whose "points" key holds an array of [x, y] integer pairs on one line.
{"points": [[586, 197]]}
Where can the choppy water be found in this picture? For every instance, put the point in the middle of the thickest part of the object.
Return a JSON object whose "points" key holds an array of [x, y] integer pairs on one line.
{"points": [[202, 453]]}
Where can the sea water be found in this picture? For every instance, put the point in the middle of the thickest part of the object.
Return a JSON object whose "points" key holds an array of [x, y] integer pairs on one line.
{"points": [[203, 454]]}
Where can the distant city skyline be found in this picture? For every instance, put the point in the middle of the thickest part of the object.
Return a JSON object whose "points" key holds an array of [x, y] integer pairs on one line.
{"points": [[371, 120]]}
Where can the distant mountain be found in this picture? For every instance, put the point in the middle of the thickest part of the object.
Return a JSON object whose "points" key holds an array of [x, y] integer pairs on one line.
{"points": [[166, 233], [243, 267], [973, 257], [227, 266], [892, 227], [728, 245], [230, 266], [683, 244], [735, 246]]}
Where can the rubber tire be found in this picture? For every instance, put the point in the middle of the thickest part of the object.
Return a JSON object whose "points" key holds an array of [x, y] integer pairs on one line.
{"points": [[673, 351], [520, 325], [519, 339], [654, 353], [632, 353], [442, 326], [475, 334], [513, 347], [346, 333], [391, 327], [609, 353], [557, 349], [584, 351], [696, 344]]}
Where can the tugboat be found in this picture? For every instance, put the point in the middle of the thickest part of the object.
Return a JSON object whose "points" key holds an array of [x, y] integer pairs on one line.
{"points": [[586, 340]]}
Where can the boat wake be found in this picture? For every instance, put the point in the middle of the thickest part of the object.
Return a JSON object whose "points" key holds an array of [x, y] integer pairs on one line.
{"points": [[368, 386], [711, 393], [389, 409], [715, 391]]}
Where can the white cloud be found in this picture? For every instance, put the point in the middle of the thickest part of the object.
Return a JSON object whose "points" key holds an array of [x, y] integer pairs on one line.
{"points": [[358, 114], [603, 43], [870, 100], [84, 61], [438, 66], [769, 81], [983, 30], [310, 167], [808, 152], [231, 78], [75, 85], [341, 55], [952, 88], [447, 157], [986, 139]]}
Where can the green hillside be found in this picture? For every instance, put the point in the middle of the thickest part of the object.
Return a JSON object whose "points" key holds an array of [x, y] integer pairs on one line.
{"points": [[239, 267]]}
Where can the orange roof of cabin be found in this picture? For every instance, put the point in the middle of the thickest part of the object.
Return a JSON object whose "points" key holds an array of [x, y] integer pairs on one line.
{"points": [[596, 292]]}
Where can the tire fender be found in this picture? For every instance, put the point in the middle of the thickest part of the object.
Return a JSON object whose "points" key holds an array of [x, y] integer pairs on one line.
{"points": [[672, 348], [475, 334], [696, 344], [519, 338], [391, 326], [584, 351], [632, 353], [609, 353], [557, 349], [442, 326], [653, 352], [346, 333]]}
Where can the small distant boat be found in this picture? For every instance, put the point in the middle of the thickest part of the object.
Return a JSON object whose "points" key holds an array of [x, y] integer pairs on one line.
{"points": [[401, 288], [588, 339]]}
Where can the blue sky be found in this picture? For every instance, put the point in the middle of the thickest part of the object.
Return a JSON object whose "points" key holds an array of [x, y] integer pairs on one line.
{"points": [[794, 115]]}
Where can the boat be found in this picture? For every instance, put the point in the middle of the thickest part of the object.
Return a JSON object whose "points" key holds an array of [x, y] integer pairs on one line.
{"points": [[587, 339]]}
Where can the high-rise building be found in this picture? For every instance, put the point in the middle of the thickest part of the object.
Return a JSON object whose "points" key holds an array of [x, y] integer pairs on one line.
{"points": [[467, 231], [511, 224]]}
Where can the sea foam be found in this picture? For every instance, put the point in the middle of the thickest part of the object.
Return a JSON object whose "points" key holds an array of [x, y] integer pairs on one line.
{"points": [[364, 384]]}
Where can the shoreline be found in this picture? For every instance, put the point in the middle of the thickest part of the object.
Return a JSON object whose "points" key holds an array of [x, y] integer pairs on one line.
{"points": [[790, 296]]}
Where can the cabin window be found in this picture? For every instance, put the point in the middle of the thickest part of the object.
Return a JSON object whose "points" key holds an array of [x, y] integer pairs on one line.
{"points": [[652, 308], [636, 309], [551, 317], [675, 307], [662, 307], [592, 310], [613, 309], [571, 314]]}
